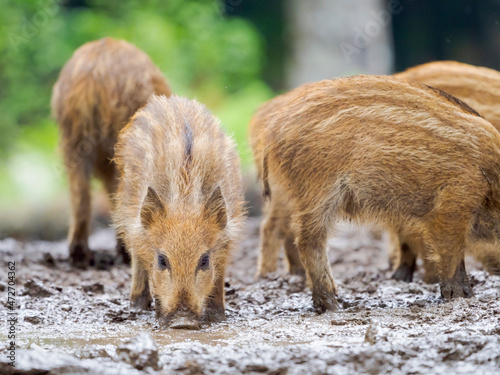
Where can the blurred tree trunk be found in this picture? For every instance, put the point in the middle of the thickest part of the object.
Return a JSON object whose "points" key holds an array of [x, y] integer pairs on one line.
{"points": [[331, 38]]}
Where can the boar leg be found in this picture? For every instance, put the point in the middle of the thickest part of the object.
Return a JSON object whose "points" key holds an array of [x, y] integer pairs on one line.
{"points": [[458, 285], [214, 310], [444, 246], [121, 251], [490, 258], [79, 181], [140, 295], [108, 173], [393, 248], [295, 266], [311, 242], [271, 233], [407, 264], [448, 256], [430, 276]]}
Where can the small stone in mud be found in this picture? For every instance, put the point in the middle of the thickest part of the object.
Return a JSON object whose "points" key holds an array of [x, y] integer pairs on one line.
{"points": [[33, 319], [35, 289], [279, 371], [338, 322], [374, 333], [140, 351], [256, 368], [96, 288]]}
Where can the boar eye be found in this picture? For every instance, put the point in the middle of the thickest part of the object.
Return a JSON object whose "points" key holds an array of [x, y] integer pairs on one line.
{"points": [[163, 262], [204, 262]]}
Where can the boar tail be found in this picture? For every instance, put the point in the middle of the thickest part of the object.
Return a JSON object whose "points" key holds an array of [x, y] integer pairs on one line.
{"points": [[266, 194]]}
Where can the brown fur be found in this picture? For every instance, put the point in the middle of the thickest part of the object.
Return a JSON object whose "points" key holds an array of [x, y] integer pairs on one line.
{"points": [[103, 84], [180, 196], [384, 151], [478, 87], [274, 232]]}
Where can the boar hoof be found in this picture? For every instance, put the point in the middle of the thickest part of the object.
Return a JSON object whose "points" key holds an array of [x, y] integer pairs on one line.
{"points": [[141, 302], [80, 255], [454, 289], [297, 270], [184, 323], [214, 315], [403, 273], [324, 301]]}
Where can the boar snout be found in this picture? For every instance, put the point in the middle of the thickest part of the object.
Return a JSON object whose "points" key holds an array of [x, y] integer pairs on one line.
{"points": [[184, 320]]}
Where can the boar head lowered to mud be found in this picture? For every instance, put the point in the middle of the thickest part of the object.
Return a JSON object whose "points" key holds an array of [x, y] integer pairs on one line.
{"points": [[179, 209], [380, 150]]}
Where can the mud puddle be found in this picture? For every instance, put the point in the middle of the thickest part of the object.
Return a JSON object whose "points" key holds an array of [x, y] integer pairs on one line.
{"points": [[72, 322]]}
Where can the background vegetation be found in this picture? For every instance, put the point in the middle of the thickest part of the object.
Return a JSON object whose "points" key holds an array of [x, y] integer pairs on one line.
{"points": [[231, 55], [203, 52]]}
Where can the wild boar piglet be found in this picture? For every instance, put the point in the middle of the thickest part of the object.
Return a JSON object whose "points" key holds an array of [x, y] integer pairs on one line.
{"points": [[179, 209], [479, 87], [103, 84], [376, 149]]}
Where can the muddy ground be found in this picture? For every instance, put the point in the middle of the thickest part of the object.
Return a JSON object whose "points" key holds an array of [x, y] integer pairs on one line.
{"points": [[78, 322]]}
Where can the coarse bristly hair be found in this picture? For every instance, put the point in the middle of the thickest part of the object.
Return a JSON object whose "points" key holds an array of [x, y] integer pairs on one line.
{"points": [[479, 87], [103, 84], [180, 197], [380, 150]]}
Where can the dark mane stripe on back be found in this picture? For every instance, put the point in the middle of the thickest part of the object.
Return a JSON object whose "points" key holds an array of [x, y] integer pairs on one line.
{"points": [[188, 137], [464, 106]]}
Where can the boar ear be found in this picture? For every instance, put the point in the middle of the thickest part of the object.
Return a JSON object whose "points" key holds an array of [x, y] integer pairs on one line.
{"points": [[215, 208], [150, 207]]}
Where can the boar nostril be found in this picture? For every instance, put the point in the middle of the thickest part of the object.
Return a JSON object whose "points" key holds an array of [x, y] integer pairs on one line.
{"points": [[183, 322]]}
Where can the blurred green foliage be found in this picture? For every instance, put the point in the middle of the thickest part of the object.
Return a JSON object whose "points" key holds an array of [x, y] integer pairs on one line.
{"points": [[203, 54]]}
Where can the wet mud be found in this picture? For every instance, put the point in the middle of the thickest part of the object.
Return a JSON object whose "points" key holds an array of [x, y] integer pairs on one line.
{"points": [[78, 321]]}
